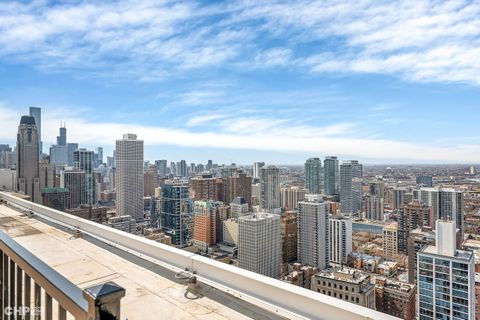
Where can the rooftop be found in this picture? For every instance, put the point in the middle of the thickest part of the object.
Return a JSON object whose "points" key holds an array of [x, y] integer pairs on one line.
{"points": [[90, 254], [459, 254], [88, 262], [344, 274]]}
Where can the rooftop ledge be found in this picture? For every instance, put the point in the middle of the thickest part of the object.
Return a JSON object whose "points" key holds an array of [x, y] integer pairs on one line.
{"points": [[146, 270]]}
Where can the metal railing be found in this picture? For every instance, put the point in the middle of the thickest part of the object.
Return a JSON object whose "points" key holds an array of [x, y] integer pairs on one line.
{"points": [[284, 299], [29, 288]]}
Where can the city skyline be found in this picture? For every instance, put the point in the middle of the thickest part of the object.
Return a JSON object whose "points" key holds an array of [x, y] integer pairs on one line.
{"points": [[244, 82]]}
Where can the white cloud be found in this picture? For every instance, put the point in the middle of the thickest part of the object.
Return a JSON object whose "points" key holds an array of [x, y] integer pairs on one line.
{"points": [[254, 134], [150, 40]]}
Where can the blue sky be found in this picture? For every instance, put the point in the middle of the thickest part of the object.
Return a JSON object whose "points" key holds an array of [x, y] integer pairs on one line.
{"points": [[244, 81]]}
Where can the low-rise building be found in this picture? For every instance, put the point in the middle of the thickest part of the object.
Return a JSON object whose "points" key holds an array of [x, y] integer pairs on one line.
{"points": [[395, 298], [346, 284], [301, 275], [97, 214]]}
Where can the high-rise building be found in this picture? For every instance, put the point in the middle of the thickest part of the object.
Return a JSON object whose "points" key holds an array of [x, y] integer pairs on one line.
{"points": [[7, 157], [56, 198], [62, 137], [129, 176], [28, 180], [46, 174], [237, 185], [162, 167], [350, 187], [269, 189], [412, 216], [205, 224], [424, 181], [398, 198], [98, 156], [257, 166], [182, 168], [84, 160], [373, 208], [418, 239], [36, 113], [229, 171], [377, 188], [446, 277], [340, 240], [331, 176], [206, 187], [209, 165], [176, 212], [150, 181], [289, 233], [446, 203], [259, 244], [192, 170], [173, 168], [230, 231], [313, 232], [62, 153], [313, 175], [73, 180], [390, 241], [199, 168], [238, 207], [290, 196]]}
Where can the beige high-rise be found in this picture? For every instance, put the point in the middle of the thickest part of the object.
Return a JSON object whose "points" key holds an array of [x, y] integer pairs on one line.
{"points": [[129, 176], [28, 180]]}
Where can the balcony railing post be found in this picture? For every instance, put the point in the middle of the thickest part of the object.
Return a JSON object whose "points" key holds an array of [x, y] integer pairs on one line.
{"points": [[104, 301]]}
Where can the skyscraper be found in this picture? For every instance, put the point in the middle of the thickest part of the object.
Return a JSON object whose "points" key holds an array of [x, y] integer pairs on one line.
{"points": [[61, 154], [37, 114], [411, 217], [98, 156], [350, 187], [313, 232], [373, 208], [257, 166], [446, 203], [129, 176], [238, 185], [28, 180], [289, 197], [209, 165], [313, 175], [173, 168], [390, 241], [331, 176], [205, 225], [162, 167], [398, 197], [259, 244], [238, 207], [84, 160], [446, 277], [425, 181], [73, 180], [46, 174], [269, 189], [176, 212], [340, 240], [182, 168]]}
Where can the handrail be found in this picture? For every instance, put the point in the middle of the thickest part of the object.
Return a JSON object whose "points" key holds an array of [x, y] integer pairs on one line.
{"points": [[68, 295], [271, 294]]}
